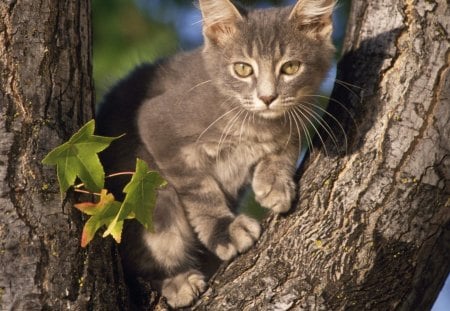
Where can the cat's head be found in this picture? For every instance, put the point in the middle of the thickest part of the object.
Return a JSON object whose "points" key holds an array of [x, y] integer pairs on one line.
{"points": [[271, 59]]}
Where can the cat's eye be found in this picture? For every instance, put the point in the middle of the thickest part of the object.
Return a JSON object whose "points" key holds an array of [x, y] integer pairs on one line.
{"points": [[243, 70], [290, 68]]}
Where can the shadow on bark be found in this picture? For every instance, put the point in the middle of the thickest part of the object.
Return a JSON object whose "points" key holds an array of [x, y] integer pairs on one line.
{"points": [[358, 75]]}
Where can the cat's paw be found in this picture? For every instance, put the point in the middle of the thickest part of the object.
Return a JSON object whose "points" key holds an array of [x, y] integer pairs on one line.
{"points": [[274, 191], [240, 235], [183, 289]]}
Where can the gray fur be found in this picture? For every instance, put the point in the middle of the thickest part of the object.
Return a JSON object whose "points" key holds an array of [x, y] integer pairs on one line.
{"points": [[210, 133]]}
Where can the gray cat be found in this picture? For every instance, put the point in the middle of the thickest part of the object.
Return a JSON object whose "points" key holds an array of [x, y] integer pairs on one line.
{"points": [[212, 121]]}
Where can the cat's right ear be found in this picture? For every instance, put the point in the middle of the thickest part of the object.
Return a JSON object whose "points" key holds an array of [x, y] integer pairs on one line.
{"points": [[314, 15], [219, 20]]}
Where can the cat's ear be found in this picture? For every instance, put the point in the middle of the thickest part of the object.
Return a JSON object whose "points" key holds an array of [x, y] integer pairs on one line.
{"points": [[219, 20], [315, 15]]}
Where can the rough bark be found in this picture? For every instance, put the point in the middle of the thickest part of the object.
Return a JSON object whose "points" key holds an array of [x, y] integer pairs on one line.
{"points": [[45, 95], [371, 230]]}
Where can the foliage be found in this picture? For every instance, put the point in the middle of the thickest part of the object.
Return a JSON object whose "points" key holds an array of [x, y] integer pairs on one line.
{"points": [[125, 36], [102, 213], [140, 197], [78, 157]]}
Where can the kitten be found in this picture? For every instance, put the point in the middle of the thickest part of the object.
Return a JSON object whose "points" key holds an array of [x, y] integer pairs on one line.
{"points": [[212, 121]]}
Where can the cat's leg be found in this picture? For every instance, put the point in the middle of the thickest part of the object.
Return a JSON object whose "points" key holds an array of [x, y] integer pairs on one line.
{"points": [[173, 253], [175, 278], [174, 249], [273, 182], [216, 226], [168, 256]]}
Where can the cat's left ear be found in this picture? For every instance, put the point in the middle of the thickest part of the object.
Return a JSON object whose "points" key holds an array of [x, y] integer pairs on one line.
{"points": [[219, 20], [315, 15]]}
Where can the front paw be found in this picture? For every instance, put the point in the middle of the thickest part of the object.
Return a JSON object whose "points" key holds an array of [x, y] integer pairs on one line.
{"points": [[182, 289], [274, 191], [241, 233]]}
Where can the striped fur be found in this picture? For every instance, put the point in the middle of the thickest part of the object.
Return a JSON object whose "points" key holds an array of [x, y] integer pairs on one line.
{"points": [[210, 132]]}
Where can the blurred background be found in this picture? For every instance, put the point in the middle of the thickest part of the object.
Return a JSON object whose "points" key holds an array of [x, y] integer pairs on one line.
{"points": [[129, 32]]}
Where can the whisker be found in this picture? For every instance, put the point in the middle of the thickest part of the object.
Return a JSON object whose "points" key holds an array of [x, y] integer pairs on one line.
{"points": [[196, 23], [308, 135], [217, 120], [291, 113], [345, 86], [198, 85], [226, 101], [290, 128], [305, 130], [228, 126], [297, 108], [316, 106], [340, 104], [226, 130], [342, 82], [242, 126], [317, 117], [193, 88]]}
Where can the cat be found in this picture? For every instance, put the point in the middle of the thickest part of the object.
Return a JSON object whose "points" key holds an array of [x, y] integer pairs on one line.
{"points": [[211, 121]]}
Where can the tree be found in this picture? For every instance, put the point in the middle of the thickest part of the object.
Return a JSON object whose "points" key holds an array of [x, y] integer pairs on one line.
{"points": [[45, 95], [371, 230]]}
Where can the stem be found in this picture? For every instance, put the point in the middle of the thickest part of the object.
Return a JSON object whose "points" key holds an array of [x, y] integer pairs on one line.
{"points": [[119, 174], [87, 192], [77, 187]]}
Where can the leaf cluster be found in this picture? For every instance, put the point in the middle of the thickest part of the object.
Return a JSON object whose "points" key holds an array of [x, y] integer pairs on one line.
{"points": [[78, 159]]}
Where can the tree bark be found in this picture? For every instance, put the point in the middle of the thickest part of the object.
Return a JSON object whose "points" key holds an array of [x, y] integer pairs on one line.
{"points": [[371, 230], [45, 95]]}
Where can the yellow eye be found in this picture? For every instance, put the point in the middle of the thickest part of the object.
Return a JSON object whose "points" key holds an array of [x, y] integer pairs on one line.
{"points": [[290, 68], [243, 70]]}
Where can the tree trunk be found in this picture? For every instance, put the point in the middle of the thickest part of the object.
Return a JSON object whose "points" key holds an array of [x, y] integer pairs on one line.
{"points": [[371, 230], [45, 95], [372, 227]]}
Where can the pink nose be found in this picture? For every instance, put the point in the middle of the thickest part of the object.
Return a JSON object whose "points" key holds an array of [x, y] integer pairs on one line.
{"points": [[268, 99]]}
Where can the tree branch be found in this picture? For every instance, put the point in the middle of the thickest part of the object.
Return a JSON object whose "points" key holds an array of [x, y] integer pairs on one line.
{"points": [[371, 229]]}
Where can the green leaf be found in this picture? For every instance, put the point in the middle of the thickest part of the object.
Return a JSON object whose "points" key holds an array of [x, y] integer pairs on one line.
{"points": [[140, 197], [102, 213], [79, 157], [116, 230]]}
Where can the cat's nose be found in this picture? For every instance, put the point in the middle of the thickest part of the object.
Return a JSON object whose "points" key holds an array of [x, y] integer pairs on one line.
{"points": [[268, 99]]}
